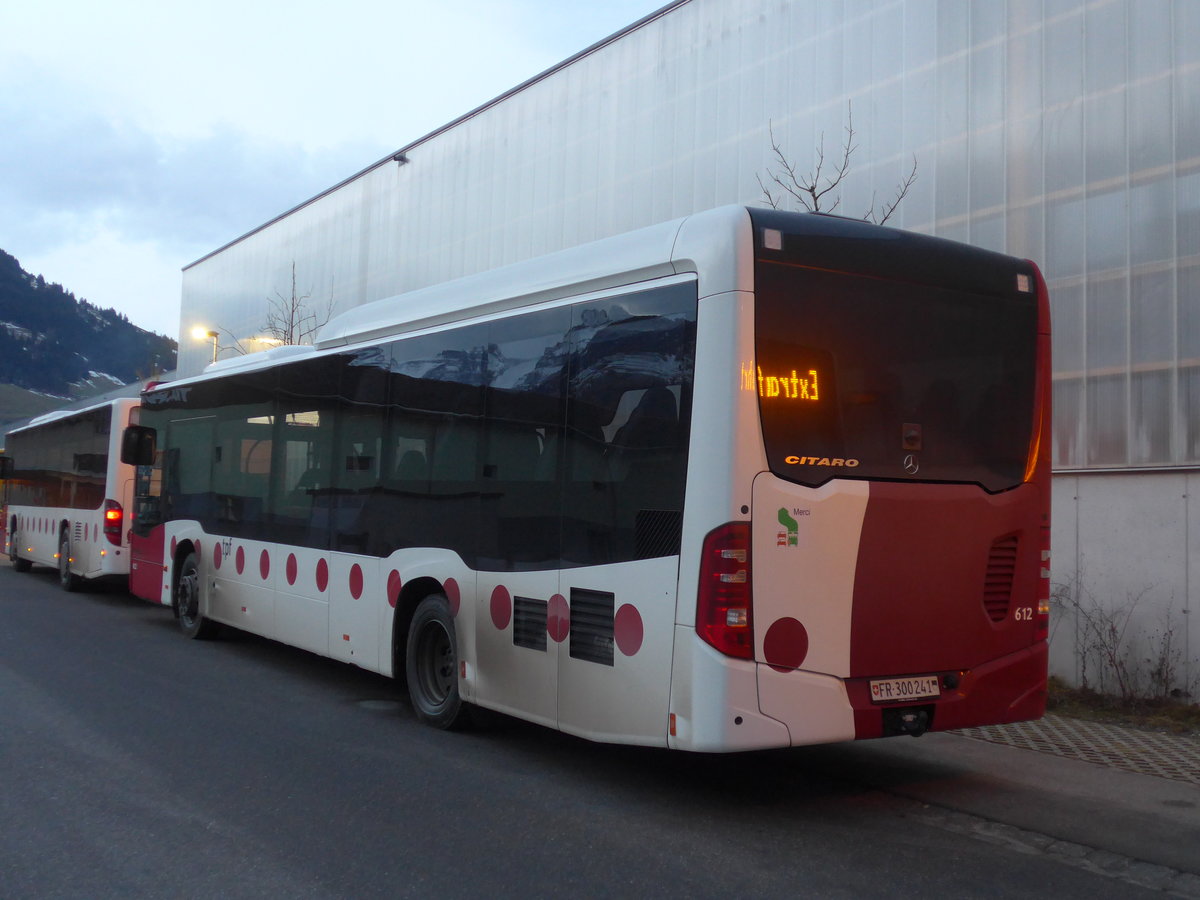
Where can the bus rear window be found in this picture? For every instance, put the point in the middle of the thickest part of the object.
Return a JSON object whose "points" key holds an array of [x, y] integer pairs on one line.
{"points": [[862, 377]]}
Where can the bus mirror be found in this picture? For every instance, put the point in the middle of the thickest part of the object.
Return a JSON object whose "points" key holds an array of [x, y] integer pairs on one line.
{"points": [[137, 446], [6, 467]]}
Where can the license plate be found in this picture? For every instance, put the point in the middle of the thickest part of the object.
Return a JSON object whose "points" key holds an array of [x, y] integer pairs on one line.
{"points": [[886, 690]]}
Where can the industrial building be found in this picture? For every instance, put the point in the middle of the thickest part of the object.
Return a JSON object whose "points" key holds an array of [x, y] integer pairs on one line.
{"points": [[1065, 131]]}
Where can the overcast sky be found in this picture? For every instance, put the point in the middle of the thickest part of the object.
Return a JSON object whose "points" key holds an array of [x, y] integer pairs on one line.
{"points": [[138, 135]]}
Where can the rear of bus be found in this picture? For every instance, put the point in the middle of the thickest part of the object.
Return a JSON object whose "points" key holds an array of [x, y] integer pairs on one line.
{"points": [[892, 577], [70, 489]]}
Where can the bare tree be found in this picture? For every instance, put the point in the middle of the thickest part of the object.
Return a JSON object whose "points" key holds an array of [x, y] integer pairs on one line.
{"points": [[290, 318], [820, 189]]}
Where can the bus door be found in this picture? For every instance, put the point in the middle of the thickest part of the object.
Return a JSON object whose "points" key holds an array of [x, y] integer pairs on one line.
{"points": [[147, 573], [181, 488]]}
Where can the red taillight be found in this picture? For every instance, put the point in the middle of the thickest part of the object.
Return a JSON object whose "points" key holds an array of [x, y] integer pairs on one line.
{"points": [[724, 613], [113, 516], [1042, 622]]}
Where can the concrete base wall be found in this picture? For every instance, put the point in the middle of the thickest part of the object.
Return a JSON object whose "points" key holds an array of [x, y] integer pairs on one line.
{"points": [[1126, 577]]}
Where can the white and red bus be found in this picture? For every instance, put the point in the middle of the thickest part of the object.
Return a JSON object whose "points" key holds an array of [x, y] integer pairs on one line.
{"points": [[66, 493], [745, 479]]}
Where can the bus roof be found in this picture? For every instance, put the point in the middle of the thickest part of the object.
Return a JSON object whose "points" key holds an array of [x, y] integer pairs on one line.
{"points": [[676, 247], [55, 415]]}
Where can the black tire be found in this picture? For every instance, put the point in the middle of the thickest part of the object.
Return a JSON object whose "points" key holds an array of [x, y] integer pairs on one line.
{"points": [[21, 565], [67, 579], [188, 602], [431, 665]]}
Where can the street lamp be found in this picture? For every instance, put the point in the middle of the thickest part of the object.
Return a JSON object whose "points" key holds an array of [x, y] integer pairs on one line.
{"points": [[201, 333]]}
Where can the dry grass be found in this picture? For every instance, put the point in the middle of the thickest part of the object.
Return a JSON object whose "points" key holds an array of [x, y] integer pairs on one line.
{"points": [[1172, 716]]}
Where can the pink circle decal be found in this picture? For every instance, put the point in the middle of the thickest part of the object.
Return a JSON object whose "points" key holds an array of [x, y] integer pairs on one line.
{"points": [[785, 645], [322, 575], [501, 607], [217, 557], [356, 581], [95, 532], [197, 546], [264, 564], [558, 618], [393, 588], [453, 595], [240, 559], [173, 545], [290, 568], [627, 630]]}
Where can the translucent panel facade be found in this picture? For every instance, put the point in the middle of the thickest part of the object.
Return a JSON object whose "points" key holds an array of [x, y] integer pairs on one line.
{"points": [[1060, 130]]}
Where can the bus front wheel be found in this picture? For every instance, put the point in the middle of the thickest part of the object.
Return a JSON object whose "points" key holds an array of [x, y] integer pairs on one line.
{"points": [[21, 565], [192, 621], [431, 665]]}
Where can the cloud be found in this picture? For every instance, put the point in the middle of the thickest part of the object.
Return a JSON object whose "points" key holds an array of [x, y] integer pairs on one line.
{"points": [[68, 172], [113, 211], [151, 134]]}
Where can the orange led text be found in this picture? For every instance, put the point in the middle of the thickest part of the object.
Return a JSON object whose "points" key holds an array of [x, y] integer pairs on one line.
{"points": [[791, 387]]}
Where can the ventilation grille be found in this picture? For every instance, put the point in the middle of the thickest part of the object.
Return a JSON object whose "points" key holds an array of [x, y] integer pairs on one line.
{"points": [[657, 532], [77, 535], [997, 586], [592, 626], [529, 623]]}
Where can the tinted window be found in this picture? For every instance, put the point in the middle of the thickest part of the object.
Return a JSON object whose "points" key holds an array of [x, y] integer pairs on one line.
{"points": [[556, 437], [430, 467], [361, 453], [628, 413], [242, 455], [62, 463], [869, 378], [303, 497], [524, 402]]}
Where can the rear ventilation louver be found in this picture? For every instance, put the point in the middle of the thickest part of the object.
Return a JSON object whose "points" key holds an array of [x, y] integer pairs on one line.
{"points": [[529, 623], [997, 586], [592, 626]]}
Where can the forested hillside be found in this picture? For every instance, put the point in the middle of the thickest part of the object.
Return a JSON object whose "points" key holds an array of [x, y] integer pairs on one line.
{"points": [[50, 341]]}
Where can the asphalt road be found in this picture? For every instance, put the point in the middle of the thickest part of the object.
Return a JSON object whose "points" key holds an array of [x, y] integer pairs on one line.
{"points": [[136, 763]]}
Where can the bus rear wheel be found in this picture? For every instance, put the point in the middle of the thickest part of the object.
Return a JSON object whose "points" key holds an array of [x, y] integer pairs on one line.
{"points": [[431, 665], [67, 579], [21, 565], [192, 621]]}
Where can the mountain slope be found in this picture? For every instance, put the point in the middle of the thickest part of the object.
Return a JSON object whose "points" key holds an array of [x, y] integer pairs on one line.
{"points": [[50, 341]]}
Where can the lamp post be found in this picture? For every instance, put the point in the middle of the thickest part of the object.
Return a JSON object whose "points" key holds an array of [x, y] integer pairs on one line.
{"points": [[201, 333]]}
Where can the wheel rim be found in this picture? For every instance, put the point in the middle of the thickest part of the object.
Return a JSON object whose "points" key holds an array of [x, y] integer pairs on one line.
{"points": [[435, 664]]}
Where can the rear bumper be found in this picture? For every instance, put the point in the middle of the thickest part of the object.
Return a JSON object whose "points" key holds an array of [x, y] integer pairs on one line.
{"points": [[1009, 689]]}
